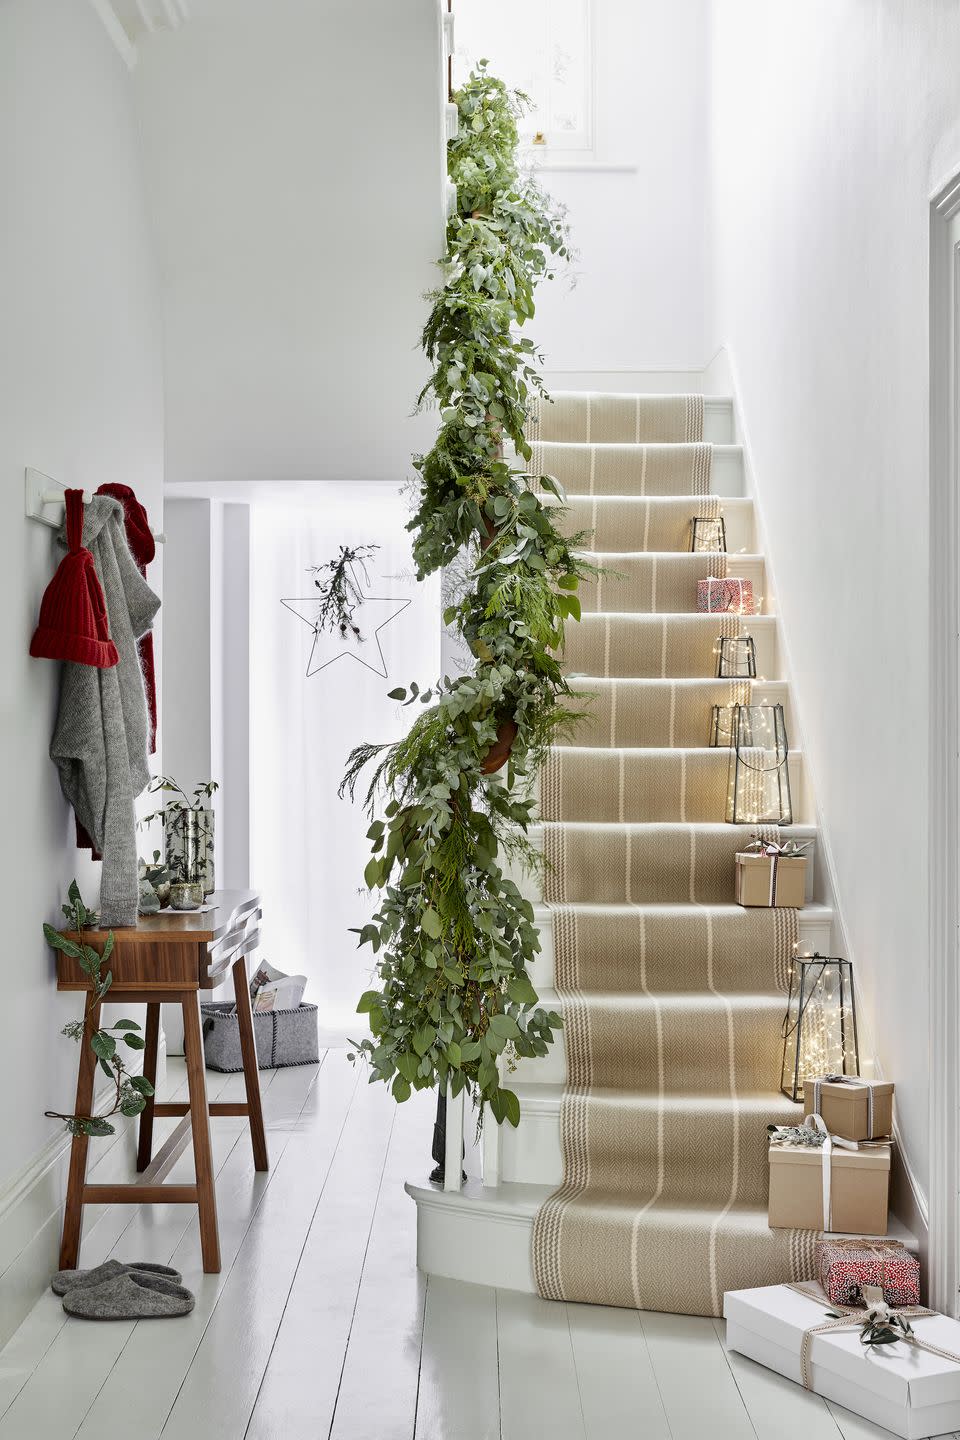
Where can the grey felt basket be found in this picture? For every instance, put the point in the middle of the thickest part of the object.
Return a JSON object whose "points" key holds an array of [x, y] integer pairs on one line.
{"points": [[283, 1037]]}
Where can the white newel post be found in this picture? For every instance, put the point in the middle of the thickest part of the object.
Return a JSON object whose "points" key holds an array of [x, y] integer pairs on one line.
{"points": [[453, 1155]]}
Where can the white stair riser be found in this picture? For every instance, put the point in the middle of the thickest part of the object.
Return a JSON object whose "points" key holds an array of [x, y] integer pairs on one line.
{"points": [[726, 471], [816, 928], [484, 1238], [763, 628], [798, 792], [737, 512]]}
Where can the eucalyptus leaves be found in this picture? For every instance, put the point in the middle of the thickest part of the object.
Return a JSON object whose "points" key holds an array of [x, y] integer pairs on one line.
{"points": [[130, 1092], [453, 935]]}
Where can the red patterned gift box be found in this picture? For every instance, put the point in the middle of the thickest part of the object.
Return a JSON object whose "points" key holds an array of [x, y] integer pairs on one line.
{"points": [[716, 597], [845, 1266]]}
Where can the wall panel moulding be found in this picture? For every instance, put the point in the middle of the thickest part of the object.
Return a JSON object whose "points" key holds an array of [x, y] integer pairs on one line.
{"points": [[128, 22]]}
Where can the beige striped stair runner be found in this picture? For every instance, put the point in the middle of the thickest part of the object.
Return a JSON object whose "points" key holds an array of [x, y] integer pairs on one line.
{"points": [[672, 994]]}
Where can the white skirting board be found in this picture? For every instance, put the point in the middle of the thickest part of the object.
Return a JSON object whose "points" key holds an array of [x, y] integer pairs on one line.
{"points": [[31, 1213]]}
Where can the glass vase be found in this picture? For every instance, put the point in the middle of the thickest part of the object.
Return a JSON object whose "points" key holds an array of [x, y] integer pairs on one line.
{"points": [[190, 847]]}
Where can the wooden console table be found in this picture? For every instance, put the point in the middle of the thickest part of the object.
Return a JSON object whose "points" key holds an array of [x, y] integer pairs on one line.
{"points": [[168, 959]]}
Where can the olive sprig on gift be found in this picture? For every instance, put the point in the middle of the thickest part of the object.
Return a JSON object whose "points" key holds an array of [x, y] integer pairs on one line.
{"points": [[882, 1324], [130, 1092]]}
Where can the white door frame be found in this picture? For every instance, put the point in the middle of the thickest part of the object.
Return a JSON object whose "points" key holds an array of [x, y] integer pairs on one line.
{"points": [[943, 1269]]}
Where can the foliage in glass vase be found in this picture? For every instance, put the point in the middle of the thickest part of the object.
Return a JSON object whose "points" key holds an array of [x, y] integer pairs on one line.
{"points": [[130, 1092], [164, 784], [453, 935]]}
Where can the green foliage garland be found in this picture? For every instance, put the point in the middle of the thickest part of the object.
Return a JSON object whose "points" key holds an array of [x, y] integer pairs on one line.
{"points": [[453, 934]]}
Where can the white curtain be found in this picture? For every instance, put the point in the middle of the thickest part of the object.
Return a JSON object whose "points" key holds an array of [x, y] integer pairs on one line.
{"points": [[309, 848]]}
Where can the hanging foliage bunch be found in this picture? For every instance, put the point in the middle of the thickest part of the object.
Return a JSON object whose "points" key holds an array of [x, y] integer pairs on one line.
{"points": [[453, 935]]}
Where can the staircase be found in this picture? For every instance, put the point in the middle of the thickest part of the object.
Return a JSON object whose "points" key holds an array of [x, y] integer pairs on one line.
{"points": [[650, 1116]]}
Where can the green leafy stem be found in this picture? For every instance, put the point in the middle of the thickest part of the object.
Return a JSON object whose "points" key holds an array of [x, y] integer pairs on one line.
{"points": [[131, 1092]]}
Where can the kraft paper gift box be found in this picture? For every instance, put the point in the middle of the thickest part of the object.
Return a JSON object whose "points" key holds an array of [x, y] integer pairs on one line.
{"points": [[719, 596], [844, 1267], [901, 1387], [852, 1185], [851, 1107], [771, 880]]}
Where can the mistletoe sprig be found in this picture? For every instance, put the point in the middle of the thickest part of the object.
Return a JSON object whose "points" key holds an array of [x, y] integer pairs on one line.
{"points": [[130, 1092], [881, 1325], [339, 592], [453, 935]]}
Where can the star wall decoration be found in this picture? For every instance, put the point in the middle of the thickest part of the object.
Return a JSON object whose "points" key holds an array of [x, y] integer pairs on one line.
{"points": [[371, 615]]}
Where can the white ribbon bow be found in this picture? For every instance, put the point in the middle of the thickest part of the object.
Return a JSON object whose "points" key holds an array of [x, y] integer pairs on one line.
{"points": [[816, 1122]]}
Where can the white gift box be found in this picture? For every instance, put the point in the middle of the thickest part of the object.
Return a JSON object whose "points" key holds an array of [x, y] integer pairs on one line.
{"points": [[901, 1387]]}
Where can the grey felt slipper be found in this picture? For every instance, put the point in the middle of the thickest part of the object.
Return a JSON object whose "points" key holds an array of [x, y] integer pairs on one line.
{"points": [[66, 1280], [134, 1295]]}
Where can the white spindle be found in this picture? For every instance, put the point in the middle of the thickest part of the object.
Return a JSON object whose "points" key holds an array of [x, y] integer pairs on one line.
{"points": [[453, 1156]]}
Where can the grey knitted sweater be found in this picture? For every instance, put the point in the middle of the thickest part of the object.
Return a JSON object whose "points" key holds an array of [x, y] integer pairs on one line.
{"points": [[100, 739]]}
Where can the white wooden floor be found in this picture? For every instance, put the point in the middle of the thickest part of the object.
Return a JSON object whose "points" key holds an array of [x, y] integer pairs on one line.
{"points": [[321, 1326]]}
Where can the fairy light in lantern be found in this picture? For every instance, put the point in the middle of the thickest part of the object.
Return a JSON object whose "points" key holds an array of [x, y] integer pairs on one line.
{"points": [[758, 787], [820, 1024]]}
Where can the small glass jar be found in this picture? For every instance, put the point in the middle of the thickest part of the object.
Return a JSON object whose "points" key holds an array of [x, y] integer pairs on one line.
{"points": [[186, 895]]}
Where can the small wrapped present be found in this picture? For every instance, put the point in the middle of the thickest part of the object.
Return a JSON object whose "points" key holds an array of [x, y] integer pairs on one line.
{"points": [[851, 1107], [815, 1186], [768, 873], [716, 596], [844, 1267], [910, 1386]]}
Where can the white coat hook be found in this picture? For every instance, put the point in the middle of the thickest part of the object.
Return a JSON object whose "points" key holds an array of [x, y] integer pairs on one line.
{"points": [[43, 500]]}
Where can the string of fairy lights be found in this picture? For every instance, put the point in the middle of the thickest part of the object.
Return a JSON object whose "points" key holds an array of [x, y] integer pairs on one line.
{"points": [[819, 1029]]}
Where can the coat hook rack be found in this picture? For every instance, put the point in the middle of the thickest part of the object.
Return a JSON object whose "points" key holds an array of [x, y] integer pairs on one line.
{"points": [[43, 500]]}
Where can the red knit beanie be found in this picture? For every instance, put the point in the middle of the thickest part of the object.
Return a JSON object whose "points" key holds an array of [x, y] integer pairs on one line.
{"points": [[73, 613]]}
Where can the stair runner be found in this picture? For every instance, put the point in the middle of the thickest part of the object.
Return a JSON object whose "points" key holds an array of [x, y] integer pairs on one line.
{"points": [[672, 995]]}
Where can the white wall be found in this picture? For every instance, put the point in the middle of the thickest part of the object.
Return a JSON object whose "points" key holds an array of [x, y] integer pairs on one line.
{"points": [[294, 156], [639, 297], [80, 398], [308, 848], [831, 126]]}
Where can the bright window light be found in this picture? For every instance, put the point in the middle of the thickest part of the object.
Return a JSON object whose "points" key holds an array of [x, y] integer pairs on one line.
{"points": [[542, 47]]}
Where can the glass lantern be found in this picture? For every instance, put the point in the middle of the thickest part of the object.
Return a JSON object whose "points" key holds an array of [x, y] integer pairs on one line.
{"points": [[820, 1025], [736, 657], [708, 535], [721, 726], [758, 792]]}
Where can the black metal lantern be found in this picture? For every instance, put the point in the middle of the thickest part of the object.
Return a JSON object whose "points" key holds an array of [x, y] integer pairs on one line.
{"points": [[708, 535], [820, 1024], [721, 726], [736, 657], [758, 792]]}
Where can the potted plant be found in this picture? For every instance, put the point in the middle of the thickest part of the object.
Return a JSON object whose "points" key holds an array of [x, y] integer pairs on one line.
{"points": [[188, 831]]}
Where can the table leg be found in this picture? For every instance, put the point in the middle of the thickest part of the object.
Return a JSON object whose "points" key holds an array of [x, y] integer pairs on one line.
{"points": [[77, 1175], [200, 1123], [251, 1072], [152, 1038]]}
